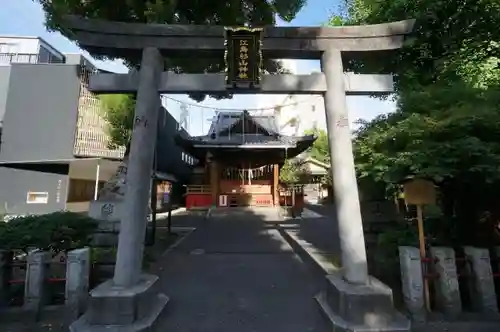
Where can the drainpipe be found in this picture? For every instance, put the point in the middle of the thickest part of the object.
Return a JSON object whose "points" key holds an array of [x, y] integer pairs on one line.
{"points": [[97, 173]]}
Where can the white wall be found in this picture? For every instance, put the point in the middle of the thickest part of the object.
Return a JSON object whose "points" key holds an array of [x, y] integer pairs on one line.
{"points": [[19, 45], [78, 206], [316, 169], [86, 169], [308, 110]]}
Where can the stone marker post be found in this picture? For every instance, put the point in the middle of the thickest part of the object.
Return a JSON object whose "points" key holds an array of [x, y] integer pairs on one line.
{"points": [[135, 210], [412, 282], [447, 290], [6, 258], [481, 283], [77, 281], [345, 188], [37, 268]]}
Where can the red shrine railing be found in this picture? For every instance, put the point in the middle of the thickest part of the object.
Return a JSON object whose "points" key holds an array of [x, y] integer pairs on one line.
{"points": [[198, 197], [236, 194]]}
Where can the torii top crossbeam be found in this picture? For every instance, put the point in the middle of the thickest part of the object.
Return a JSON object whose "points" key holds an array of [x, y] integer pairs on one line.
{"points": [[119, 38]]}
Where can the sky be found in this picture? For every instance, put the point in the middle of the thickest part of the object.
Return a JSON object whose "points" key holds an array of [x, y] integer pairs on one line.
{"points": [[26, 18]]}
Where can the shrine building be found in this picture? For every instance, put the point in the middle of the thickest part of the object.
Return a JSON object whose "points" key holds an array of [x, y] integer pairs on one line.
{"points": [[240, 159]]}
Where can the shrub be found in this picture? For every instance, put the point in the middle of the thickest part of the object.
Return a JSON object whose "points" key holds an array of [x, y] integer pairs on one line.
{"points": [[438, 230], [56, 232], [294, 171], [403, 233]]}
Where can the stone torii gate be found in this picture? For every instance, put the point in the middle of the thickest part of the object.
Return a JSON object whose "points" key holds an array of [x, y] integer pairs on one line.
{"points": [[119, 302]]}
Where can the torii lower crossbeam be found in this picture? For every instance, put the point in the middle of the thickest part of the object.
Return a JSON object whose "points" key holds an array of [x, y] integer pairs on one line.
{"points": [[356, 84]]}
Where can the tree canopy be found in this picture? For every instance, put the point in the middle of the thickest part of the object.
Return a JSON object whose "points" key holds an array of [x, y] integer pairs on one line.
{"points": [[319, 149], [118, 111], [452, 39], [214, 12], [446, 126], [294, 171]]}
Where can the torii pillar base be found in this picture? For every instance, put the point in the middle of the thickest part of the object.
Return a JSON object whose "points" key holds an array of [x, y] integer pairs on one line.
{"points": [[364, 308], [117, 309]]}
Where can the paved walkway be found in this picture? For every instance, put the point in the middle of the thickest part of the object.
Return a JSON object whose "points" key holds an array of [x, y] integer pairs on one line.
{"points": [[236, 273], [318, 228]]}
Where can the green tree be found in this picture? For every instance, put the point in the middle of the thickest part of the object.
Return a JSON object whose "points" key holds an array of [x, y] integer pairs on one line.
{"points": [[118, 111], [447, 118], [452, 40], [438, 138], [294, 171], [215, 12], [319, 150]]}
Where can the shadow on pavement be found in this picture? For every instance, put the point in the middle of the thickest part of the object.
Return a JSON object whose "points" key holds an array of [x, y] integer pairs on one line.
{"points": [[318, 226], [235, 272]]}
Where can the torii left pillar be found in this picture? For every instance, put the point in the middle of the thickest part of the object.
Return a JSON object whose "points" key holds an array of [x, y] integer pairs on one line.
{"points": [[128, 302]]}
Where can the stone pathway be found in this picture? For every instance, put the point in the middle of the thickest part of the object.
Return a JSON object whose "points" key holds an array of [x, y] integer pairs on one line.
{"points": [[457, 327], [236, 273], [317, 230]]}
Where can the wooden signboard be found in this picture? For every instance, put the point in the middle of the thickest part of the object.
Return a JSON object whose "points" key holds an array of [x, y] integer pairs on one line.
{"points": [[419, 192], [243, 57]]}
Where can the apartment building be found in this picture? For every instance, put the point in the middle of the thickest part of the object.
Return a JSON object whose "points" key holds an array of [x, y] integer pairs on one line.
{"points": [[18, 49], [54, 151]]}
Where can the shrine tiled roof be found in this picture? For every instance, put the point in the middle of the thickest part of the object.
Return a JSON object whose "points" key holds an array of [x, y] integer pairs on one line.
{"points": [[225, 120], [249, 139], [242, 130]]}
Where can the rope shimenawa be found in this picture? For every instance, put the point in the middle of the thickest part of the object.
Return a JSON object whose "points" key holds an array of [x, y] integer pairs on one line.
{"points": [[237, 109]]}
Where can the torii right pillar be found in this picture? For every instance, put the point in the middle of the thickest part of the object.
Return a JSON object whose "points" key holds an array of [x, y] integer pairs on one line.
{"points": [[352, 298], [345, 188]]}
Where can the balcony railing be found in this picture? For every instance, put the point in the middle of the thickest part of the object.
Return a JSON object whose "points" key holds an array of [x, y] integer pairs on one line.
{"points": [[18, 58]]}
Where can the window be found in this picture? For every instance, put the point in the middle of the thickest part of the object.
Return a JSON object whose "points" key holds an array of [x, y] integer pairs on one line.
{"points": [[43, 55], [46, 56], [55, 59], [36, 197]]}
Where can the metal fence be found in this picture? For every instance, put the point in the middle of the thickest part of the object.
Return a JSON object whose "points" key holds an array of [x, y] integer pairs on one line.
{"points": [[18, 58]]}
